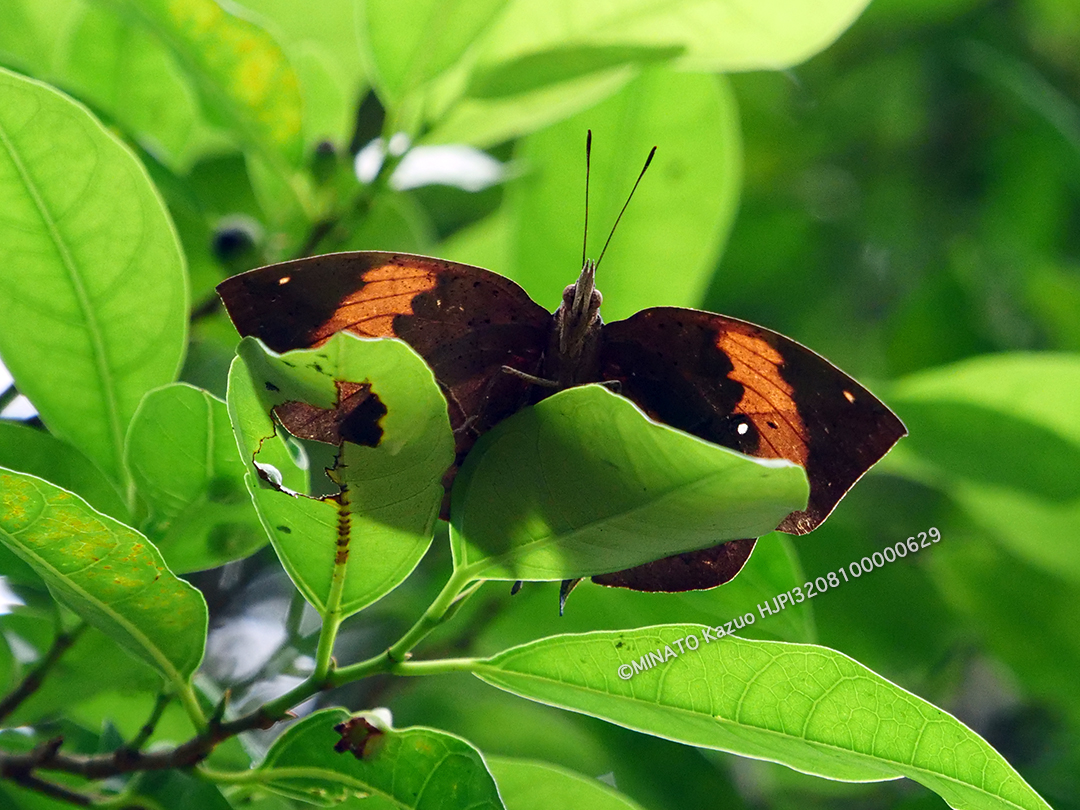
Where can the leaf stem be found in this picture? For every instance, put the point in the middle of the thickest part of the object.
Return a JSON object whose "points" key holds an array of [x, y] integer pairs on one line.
{"points": [[397, 653], [147, 730], [332, 618], [191, 705], [439, 666]]}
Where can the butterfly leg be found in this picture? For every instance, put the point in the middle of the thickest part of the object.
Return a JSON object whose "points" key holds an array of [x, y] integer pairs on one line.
{"points": [[530, 378]]}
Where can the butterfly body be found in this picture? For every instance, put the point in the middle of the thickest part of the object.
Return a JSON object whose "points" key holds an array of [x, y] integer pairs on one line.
{"points": [[493, 351]]}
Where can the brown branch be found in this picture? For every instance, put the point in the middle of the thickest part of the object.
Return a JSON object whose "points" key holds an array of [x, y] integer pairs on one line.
{"points": [[55, 791], [36, 676]]}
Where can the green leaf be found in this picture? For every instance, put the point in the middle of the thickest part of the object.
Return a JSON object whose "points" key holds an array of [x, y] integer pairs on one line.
{"points": [[126, 73], [393, 490], [584, 483], [408, 42], [33, 34], [562, 63], [179, 790], [673, 232], [1037, 387], [486, 122], [714, 35], [413, 767], [324, 49], [183, 458], [38, 453], [807, 707], [528, 785], [241, 72], [105, 572], [1002, 434], [93, 295]]}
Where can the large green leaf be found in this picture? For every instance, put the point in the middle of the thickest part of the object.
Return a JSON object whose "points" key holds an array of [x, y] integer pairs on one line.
{"points": [[384, 522], [106, 572], [807, 707], [584, 483], [408, 42], [712, 35], [93, 297], [183, 459], [529, 785], [667, 245], [413, 768]]}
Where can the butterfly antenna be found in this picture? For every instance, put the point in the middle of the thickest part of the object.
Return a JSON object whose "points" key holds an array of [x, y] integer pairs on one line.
{"points": [[588, 162], [648, 160]]}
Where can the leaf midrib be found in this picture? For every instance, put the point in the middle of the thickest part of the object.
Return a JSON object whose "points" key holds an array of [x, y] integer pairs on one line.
{"points": [[97, 344]]}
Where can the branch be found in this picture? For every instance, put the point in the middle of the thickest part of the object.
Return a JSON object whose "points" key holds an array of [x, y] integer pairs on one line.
{"points": [[55, 791], [36, 676]]}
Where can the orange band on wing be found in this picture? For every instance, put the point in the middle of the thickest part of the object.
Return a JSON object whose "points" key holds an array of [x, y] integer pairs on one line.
{"points": [[388, 291], [767, 397]]}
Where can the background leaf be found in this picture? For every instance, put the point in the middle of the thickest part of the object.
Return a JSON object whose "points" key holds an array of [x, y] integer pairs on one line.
{"points": [[1001, 432], [408, 43], [412, 767], [92, 271], [526, 785], [240, 71], [106, 572], [678, 222], [808, 707], [36, 452], [583, 483], [714, 36], [183, 459]]}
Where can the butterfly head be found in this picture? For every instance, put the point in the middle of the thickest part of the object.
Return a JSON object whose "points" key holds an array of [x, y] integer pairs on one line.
{"points": [[579, 314]]}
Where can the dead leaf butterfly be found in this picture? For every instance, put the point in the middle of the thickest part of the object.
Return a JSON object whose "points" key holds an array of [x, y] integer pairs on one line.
{"points": [[493, 351]]}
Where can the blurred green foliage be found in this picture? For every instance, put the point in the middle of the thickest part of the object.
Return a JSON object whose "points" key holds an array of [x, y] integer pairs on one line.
{"points": [[903, 201]]}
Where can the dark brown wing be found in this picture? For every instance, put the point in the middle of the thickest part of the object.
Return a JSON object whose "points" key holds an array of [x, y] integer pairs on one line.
{"points": [[755, 391], [466, 322]]}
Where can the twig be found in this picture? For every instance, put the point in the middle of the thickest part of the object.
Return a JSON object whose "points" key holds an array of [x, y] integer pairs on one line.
{"points": [[55, 791], [7, 396], [147, 730], [36, 676]]}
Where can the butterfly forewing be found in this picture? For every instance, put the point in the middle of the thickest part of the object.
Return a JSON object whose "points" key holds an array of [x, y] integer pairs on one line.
{"points": [[755, 391], [466, 322]]}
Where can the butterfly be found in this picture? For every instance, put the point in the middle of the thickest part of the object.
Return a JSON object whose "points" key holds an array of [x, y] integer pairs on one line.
{"points": [[493, 350]]}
